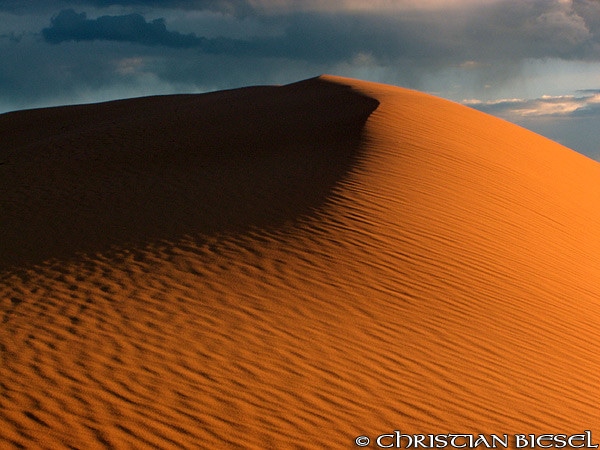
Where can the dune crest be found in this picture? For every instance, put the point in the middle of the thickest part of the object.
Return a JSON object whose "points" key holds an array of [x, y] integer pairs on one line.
{"points": [[354, 259]]}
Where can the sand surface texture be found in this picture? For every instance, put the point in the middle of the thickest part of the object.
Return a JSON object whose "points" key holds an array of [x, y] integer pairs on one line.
{"points": [[292, 267]]}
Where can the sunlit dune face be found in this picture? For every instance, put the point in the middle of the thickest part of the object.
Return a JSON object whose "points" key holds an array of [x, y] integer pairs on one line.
{"points": [[302, 266]]}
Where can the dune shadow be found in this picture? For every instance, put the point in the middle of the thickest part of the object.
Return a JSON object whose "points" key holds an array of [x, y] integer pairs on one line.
{"points": [[82, 179]]}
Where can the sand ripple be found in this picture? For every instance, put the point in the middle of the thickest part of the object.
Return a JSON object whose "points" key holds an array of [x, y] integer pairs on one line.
{"points": [[445, 277]]}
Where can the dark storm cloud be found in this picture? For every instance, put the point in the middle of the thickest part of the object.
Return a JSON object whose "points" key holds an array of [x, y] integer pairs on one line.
{"points": [[71, 26], [310, 37], [507, 31]]}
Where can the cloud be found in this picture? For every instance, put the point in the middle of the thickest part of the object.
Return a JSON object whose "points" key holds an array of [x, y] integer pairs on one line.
{"points": [[12, 36], [468, 31], [251, 7], [478, 42], [71, 26], [488, 36], [571, 120], [545, 106], [306, 36], [238, 8]]}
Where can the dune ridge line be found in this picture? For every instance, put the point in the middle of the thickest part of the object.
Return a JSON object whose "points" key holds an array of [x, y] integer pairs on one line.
{"points": [[293, 267]]}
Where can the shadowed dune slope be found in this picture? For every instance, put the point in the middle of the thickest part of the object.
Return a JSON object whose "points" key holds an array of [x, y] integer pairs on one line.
{"points": [[291, 267], [83, 179]]}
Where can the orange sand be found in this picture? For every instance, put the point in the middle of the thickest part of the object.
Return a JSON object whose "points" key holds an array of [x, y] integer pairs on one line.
{"points": [[291, 267]]}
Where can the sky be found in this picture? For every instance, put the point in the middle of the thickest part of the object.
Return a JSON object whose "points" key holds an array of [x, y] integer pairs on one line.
{"points": [[532, 62]]}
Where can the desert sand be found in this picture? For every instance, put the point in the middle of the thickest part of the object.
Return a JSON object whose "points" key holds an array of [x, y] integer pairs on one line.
{"points": [[292, 267]]}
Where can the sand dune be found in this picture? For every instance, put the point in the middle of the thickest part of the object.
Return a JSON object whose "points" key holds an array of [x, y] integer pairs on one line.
{"points": [[292, 267]]}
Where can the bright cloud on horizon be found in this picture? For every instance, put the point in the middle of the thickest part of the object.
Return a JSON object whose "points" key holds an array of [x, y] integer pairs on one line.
{"points": [[571, 120], [547, 105]]}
